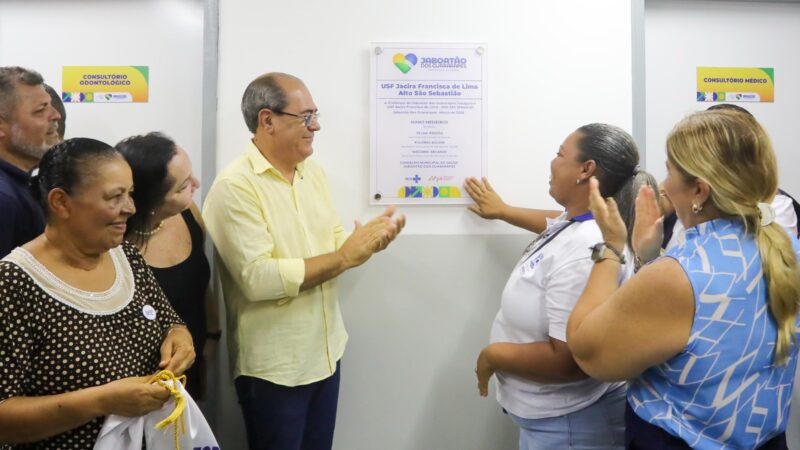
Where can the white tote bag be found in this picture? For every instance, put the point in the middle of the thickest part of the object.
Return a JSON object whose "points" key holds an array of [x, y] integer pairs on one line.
{"points": [[179, 424]]}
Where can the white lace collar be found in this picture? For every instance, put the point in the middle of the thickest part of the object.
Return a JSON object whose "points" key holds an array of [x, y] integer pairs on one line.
{"points": [[98, 303]]}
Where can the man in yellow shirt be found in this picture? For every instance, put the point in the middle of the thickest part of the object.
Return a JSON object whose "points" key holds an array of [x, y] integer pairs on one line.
{"points": [[280, 246]]}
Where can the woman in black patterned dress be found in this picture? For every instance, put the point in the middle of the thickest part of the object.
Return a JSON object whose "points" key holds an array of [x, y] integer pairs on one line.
{"points": [[83, 322]]}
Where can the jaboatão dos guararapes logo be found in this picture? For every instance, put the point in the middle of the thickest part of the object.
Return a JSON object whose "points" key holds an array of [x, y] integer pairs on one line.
{"points": [[405, 62]]}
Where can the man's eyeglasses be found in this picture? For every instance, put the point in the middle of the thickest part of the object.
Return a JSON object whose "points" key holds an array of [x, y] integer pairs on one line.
{"points": [[308, 118]]}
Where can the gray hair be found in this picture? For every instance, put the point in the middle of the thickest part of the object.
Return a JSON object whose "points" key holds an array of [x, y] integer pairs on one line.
{"points": [[9, 77], [263, 92], [626, 198]]}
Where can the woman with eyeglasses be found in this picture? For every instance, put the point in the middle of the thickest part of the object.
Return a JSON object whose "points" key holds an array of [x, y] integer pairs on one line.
{"points": [[168, 231], [555, 404]]}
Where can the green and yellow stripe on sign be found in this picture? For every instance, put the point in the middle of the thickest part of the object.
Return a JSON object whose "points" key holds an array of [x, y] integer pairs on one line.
{"points": [[418, 191]]}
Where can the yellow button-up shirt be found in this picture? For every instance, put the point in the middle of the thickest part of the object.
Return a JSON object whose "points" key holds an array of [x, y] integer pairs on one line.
{"points": [[263, 227]]}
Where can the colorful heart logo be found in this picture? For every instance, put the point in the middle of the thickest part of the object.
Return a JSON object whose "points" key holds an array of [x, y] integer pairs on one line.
{"points": [[405, 62]]}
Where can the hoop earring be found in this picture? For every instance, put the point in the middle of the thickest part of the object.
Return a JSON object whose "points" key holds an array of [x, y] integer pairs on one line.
{"points": [[696, 208]]}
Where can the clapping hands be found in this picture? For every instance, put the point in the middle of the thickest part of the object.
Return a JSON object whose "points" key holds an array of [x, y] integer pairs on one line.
{"points": [[372, 237], [607, 216], [648, 227]]}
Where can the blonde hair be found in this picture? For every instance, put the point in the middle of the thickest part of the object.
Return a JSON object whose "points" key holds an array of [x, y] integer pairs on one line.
{"points": [[732, 153]]}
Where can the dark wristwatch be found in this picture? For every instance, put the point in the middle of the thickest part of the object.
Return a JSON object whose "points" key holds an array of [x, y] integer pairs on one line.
{"points": [[215, 336], [602, 251]]}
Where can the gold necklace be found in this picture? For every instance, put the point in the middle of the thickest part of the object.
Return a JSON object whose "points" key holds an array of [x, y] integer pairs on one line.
{"points": [[151, 232]]}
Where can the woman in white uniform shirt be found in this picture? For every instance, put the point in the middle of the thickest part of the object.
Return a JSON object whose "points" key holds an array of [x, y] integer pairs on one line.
{"points": [[539, 384]]}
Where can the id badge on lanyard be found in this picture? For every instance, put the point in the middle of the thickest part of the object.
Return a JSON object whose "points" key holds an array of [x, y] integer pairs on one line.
{"points": [[530, 261]]}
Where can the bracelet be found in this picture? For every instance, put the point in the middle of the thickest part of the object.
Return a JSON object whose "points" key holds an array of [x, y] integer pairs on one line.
{"points": [[214, 336], [619, 254], [639, 262]]}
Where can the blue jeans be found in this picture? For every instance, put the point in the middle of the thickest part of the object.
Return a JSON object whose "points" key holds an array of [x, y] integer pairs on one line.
{"points": [[289, 418], [600, 425]]}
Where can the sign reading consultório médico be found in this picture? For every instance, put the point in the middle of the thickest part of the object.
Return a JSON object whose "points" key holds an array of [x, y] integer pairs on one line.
{"points": [[105, 84], [736, 84]]}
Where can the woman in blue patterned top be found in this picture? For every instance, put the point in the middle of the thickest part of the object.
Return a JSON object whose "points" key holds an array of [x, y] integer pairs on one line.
{"points": [[707, 333]]}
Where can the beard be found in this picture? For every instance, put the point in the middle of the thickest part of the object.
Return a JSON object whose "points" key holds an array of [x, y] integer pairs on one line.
{"points": [[26, 149], [53, 139]]}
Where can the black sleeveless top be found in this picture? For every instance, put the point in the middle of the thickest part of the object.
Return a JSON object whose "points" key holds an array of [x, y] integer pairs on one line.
{"points": [[185, 286]]}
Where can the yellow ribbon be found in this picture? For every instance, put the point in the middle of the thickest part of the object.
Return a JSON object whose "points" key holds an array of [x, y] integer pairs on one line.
{"points": [[170, 382]]}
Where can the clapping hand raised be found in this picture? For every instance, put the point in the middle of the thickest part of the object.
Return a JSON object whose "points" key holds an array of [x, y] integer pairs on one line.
{"points": [[648, 229], [371, 237], [607, 216]]}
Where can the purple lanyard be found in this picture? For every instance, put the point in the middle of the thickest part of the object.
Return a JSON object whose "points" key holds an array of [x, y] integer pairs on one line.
{"points": [[547, 238]]}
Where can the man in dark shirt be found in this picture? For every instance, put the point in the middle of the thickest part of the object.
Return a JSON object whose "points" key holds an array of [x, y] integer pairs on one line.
{"points": [[28, 124]]}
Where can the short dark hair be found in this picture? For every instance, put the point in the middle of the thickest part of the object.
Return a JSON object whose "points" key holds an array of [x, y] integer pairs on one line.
{"points": [[67, 165], [58, 104], [10, 76], [148, 155], [264, 92]]}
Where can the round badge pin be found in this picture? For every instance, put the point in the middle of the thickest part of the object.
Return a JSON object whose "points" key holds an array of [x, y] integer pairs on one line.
{"points": [[149, 312]]}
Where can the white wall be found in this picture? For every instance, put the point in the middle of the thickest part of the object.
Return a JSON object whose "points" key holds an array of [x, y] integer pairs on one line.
{"points": [[419, 313], [553, 66], [681, 35], [166, 35]]}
